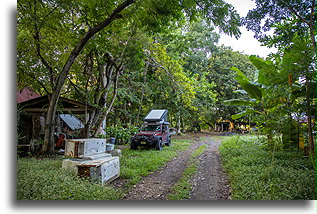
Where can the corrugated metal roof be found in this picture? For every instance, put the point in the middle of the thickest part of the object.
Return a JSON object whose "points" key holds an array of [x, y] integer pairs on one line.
{"points": [[26, 94], [39, 105], [72, 121]]}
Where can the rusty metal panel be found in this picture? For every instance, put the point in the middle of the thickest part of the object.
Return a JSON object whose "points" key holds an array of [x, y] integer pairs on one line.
{"points": [[79, 148], [71, 148], [83, 171]]}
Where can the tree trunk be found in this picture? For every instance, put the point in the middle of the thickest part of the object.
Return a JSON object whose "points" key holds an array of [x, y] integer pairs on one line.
{"points": [[104, 117], [311, 143], [142, 95], [179, 123], [48, 146], [270, 141]]}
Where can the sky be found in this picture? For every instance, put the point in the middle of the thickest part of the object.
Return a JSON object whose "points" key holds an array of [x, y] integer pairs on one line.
{"points": [[246, 43]]}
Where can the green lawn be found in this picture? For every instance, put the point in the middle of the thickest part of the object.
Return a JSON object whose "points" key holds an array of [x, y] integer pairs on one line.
{"points": [[258, 174], [44, 178]]}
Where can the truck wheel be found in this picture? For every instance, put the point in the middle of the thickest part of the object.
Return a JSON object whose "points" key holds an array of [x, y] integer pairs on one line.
{"points": [[159, 145], [169, 142], [133, 145]]}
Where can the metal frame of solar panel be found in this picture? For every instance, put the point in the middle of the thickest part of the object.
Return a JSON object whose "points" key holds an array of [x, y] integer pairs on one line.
{"points": [[157, 115]]}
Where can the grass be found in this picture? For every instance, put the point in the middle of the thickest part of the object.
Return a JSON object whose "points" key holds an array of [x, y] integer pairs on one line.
{"points": [[141, 162], [44, 179], [259, 174], [181, 190]]}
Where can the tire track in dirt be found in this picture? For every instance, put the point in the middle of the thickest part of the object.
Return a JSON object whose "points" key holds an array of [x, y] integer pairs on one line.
{"points": [[158, 185], [210, 182]]}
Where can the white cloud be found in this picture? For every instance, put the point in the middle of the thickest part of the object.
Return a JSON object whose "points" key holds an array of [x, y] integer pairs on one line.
{"points": [[246, 43]]}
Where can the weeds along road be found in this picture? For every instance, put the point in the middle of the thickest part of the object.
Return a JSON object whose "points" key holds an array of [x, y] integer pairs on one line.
{"points": [[208, 182]]}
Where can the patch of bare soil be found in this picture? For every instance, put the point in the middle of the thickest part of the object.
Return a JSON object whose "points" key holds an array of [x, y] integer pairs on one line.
{"points": [[210, 183], [157, 185]]}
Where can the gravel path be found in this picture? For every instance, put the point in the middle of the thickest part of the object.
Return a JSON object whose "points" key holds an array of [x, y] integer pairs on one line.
{"points": [[210, 182], [157, 185]]}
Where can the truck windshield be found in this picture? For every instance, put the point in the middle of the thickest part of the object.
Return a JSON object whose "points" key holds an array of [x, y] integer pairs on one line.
{"points": [[151, 128]]}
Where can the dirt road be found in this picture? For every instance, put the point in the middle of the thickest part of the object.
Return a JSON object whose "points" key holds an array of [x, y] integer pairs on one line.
{"points": [[209, 183]]}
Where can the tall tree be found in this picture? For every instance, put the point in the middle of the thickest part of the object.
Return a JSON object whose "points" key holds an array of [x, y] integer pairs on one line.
{"points": [[299, 15], [56, 32], [300, 63], [220, 73], [48, 146]]}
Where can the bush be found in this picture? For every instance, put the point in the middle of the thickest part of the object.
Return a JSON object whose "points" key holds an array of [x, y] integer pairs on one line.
{"points": [[258, 174], [121, 134]]}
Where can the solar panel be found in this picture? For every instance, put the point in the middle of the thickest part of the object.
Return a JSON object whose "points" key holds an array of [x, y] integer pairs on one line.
{"points": [[156, 115], [72, 121]]}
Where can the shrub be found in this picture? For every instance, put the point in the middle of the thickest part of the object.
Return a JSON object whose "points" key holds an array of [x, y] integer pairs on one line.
{"points": [[121, 134]]}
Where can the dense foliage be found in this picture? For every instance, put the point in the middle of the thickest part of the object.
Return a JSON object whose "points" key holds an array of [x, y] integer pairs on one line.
{"points": [[282, 96], [126, 58], [121, 135], [90, 46], [286, 18]]}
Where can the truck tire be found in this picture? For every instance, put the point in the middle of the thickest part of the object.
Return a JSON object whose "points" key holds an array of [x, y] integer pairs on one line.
{"points": [[159, 145], [134, 145], [169, 142]]}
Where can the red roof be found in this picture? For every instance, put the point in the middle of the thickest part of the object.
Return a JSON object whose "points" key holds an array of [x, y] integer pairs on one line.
{"points": [[25, 95]]}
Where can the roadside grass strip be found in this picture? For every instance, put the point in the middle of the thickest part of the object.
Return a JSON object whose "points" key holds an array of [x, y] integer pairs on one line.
{"points": [[136, 164], [182, 189], [257, 173], [44, 178]]}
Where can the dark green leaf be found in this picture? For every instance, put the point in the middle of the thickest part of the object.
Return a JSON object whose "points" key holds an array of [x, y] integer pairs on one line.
{"points": [[241, 114], [253, 90], [240, 102], [241, 75]]}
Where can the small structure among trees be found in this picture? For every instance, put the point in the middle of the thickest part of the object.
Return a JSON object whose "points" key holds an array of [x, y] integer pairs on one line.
{"points": [[32, 109]]}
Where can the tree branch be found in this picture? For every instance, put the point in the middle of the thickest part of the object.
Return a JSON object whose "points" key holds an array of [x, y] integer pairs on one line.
{"points": [[75, 87], [111, 103], [162, 67], [309, 23], [298, 16], [66, 68], [37, 80]]}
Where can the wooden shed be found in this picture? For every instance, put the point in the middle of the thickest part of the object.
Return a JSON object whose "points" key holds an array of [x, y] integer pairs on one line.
{"points": [[32, 112]]}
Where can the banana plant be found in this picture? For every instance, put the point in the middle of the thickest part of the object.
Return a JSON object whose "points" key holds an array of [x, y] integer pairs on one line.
{"points": [[254, 91], [269, 95]]}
